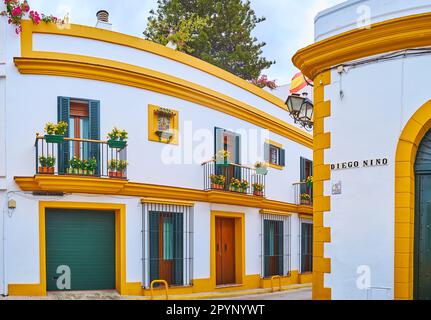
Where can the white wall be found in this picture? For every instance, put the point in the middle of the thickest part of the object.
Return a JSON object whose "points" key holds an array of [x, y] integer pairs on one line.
{"points": [[368, 126], [344, 16]]}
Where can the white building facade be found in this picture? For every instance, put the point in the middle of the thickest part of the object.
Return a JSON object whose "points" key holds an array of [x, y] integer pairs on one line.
{"points": [[162, 218], [370, 66]]}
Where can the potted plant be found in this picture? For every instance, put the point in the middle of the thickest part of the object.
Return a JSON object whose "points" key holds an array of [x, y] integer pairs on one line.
{"points": [[244, 186], [217, 181], [261, 168], [91, 166], [258, 189], [121, 167], [75, 165], [112, 165], [50, 164], [222, 157], [83, 169], [165, 134], [305, 199], [234, 184], [55, 132], [309, 182], [117, 138], [42, 163]]}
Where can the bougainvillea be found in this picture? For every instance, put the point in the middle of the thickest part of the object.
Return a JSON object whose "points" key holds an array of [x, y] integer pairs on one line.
{"points": [[263, 82], [16, 10]]}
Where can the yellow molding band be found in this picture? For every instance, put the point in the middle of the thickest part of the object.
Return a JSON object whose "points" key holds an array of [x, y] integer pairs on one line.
{"points": [[396, 34], [273, 143], [307, 217], [168, 201], [98, 34], [56, 64], [70, 184]]}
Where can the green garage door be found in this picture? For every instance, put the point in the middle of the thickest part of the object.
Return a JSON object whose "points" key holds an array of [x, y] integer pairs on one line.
{"points": [[83, 241]]}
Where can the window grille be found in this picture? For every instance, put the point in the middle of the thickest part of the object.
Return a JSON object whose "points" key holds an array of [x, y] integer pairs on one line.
{"points": [[167, 244], [275, 245], [306, 245]]}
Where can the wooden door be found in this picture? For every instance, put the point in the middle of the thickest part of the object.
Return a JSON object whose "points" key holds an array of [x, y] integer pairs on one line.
{"points": [[225, 251]]}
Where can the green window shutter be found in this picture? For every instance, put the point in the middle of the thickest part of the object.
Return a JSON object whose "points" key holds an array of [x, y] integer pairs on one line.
{"points": [[154, 218], [218, 145], [280, 233], [94, 116], [63, 114], [178, 249], [282, 157], [266, 247], [302, 176], [237, 170]]}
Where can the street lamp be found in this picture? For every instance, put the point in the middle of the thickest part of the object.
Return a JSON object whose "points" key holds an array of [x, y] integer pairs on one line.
{"points": [[301, 110]]}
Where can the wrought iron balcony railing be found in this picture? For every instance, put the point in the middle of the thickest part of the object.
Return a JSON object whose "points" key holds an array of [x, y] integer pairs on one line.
{"points": [[303, 194], [233, 178], [80, 157]]}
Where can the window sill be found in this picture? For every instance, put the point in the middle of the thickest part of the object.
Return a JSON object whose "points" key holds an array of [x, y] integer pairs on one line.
{"points": [[276, 166]]}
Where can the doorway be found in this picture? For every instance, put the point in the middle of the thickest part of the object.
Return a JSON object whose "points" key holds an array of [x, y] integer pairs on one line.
{"points": [[225, 250]]}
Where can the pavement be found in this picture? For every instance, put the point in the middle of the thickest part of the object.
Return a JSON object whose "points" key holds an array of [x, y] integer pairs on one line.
{"points": [[294, 293]]}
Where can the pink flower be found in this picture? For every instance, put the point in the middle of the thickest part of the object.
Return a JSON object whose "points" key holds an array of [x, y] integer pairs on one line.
{"points": [[25, 6], [35, 17], [16, 11]]}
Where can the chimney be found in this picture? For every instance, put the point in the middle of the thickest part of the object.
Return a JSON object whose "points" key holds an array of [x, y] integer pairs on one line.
{"points": [[103, 20]]}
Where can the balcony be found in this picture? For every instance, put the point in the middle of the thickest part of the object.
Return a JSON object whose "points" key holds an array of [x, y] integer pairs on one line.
{"points": [[233, 178], [303, 194], [80, 157]]}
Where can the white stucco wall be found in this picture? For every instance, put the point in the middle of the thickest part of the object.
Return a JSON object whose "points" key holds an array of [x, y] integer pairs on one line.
{"points": [[345, 16], [368, 126]]}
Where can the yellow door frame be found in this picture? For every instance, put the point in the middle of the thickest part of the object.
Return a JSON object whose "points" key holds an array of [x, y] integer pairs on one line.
{"points": [[408, 144], [120, 245], [239, 246]]}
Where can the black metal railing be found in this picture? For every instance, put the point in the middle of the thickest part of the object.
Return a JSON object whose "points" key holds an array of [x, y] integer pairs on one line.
{"points": [[233, 171], [303, 194], [80, 157]]}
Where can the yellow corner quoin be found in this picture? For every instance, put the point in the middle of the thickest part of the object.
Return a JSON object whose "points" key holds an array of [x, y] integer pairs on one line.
{"points": [[105, 186], [409, 141], [78, 66], [39, 289], [98, 34], [396, 34], [153, 125], [321, 203]]}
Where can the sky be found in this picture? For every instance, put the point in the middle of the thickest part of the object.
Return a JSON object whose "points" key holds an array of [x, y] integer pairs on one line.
{"points": [[289, 24]]}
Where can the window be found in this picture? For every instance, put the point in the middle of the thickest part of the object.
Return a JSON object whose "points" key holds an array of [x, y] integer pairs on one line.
{"points": [[275, 154], [230, 142], [306, 170], [275, 245], [306, 230], [167, 244], [163, 125]]}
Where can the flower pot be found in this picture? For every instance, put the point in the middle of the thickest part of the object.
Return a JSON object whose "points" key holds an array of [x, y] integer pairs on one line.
{"points": [[217, 186], [117, 144], [91, 172], [305, 202], [258, 193], [43, 170], [120, 174], [112, 174], [75, 171], [54, 138], [262, 170], [50, 170]]}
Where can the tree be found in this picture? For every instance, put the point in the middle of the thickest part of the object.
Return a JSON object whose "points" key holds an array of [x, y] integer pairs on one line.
{"points": [[216, 31]]}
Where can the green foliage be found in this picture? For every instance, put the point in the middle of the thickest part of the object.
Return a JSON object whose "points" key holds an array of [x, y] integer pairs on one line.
{"points": [[216, 31]]}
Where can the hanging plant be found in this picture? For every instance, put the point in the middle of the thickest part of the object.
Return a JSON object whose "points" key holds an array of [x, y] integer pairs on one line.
{"points": [[16, 10]]}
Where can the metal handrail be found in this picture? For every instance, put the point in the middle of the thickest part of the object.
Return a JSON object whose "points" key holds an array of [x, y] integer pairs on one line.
{"points": [[164, 282], [38, 137], [272, 283], [231, 164]]}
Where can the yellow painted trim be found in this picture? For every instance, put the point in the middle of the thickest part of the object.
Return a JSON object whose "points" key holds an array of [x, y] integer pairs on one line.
{"points": [[321, 203], [168, 201], [71, 65], [239, 246], [71, 184], [275, 166], [275, 212], [396, 34], [306, 217], [408, 144], [152, 126], [138, 43], [120, 246], [278, 145]]}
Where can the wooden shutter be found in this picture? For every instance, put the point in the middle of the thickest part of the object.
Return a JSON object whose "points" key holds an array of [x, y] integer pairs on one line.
{"points": [[282, 157], [94, 117], [178, 249], [63, 114]]}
